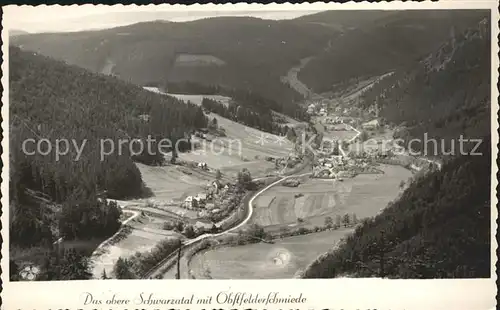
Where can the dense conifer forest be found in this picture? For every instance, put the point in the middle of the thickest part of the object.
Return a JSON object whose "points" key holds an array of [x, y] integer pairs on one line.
{"points": [[59, 196], [445, 95], [438, 228], [383, 43]]}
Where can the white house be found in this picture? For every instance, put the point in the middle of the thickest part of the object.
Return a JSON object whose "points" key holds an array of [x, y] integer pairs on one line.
{"points": [[202, 165], [188, 202], [311, 108]]}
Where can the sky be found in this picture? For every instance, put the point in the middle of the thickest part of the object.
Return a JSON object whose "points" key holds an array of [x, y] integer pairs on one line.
{"points": [[74, 18], [57, 18]]}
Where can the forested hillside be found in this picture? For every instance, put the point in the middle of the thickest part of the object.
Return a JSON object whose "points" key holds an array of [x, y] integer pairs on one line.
{"points": [[57, 196], [384, 44], [236, 52], [253, 54], [248, 99], [445, 95], [440, 226]]}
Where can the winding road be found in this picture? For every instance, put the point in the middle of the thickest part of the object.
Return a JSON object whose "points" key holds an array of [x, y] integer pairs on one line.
{"points": [[173, 256], [169, 261]]}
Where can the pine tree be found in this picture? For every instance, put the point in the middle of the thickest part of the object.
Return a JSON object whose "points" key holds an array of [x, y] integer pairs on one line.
{"points": [[346, 220], [122, 269]]}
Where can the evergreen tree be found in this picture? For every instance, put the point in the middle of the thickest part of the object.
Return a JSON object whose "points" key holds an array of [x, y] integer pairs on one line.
{"points": [[346, 220], [123, 269], [291, 135], [218, 174]]}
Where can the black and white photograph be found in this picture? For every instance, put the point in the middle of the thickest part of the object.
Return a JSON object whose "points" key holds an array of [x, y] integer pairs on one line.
{"points": [[216, 142]]}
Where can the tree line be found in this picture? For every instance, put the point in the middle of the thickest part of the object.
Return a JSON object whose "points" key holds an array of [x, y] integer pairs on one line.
{"points": [[244, 115], [247, 98]]}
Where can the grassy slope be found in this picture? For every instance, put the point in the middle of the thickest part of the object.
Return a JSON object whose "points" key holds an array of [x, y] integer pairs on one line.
{"points": [[265, 261], [363, 195], [240, 149]]}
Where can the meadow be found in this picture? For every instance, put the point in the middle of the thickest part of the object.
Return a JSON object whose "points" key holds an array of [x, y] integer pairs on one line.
{"points": [[364, 195], [280, 207], [242, 147], [280, 260]]}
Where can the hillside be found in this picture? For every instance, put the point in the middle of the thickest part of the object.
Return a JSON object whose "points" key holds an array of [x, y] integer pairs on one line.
{"points": [[15, 32], [253, 54], [444, 95], [235, 52], [382, 44], [254, 110], [440, 226], [344, 20], [54, 195]]}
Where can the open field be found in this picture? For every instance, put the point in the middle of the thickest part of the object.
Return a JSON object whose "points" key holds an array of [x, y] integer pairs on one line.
{"points": [[196, 99], [197, 60], [169, 184], [172, 183], [342, 135], [365, 195], [145, 233], [265, 261], [243, 147]]}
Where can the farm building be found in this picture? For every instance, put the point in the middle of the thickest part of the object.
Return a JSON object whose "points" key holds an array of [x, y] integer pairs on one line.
{"points": [[311, 108], [201, 197], [195, 202], [188, 202]]}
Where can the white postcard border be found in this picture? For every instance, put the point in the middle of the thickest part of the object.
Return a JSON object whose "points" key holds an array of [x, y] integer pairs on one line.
{"points": [[346, 294]]}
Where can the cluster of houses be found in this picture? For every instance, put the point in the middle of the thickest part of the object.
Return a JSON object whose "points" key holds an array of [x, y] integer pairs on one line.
{"points": [[340, 167], [290, 161], [205, 200]]}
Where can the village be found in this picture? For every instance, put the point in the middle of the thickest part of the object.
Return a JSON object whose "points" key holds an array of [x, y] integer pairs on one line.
{"points": [[348, 157], [216, 201], [349, 153]]}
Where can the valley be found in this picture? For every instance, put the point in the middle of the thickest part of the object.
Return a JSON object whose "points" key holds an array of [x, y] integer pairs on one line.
{"points": [[289, 151], [281, 210]]}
